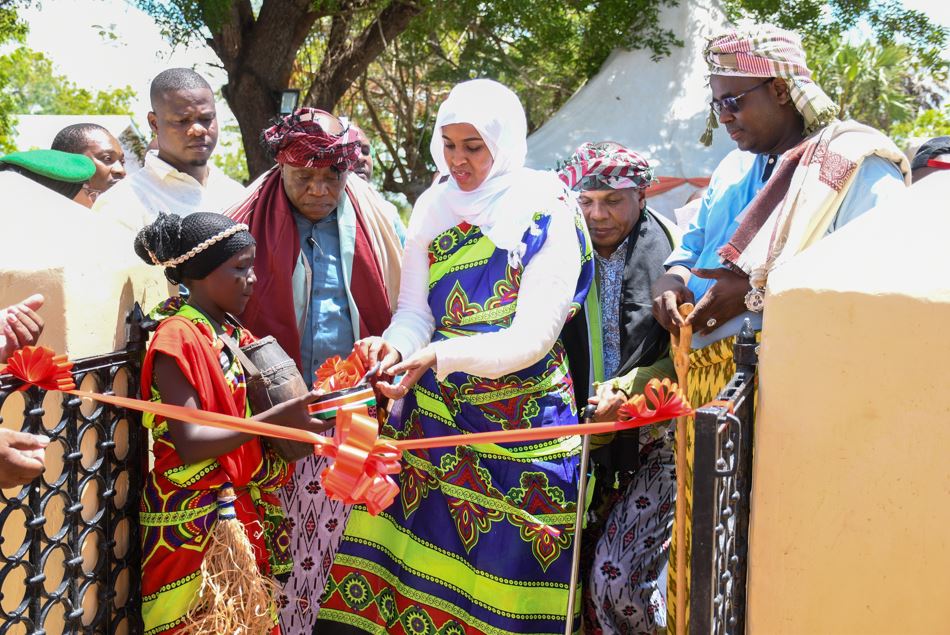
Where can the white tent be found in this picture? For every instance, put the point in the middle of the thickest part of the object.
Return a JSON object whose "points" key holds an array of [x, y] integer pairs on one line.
{"points": [[657, 108]]}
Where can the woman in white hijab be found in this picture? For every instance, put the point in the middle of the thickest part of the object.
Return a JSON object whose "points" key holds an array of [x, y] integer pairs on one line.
{"points": [[496, 261]]}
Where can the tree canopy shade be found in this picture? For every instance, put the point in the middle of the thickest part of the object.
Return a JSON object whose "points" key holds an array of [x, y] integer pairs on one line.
{"points": [[389, 63], [327, 48]]}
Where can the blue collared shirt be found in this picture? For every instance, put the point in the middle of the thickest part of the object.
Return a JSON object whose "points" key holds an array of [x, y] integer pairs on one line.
{"points": [[732, 187], [328, 329]]}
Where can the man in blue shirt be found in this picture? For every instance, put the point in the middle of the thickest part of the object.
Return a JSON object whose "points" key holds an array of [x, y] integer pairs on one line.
{"points": [[328, 264], [798, 174], [767, 103]]}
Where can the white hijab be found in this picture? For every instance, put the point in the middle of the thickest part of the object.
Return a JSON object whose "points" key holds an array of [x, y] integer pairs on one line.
{"points": [[503, 205]]}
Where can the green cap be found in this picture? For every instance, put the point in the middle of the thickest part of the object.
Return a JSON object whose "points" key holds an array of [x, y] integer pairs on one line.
{"points": [[54, 164]]}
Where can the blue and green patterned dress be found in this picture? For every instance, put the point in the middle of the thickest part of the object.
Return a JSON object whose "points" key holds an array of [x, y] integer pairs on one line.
{"points": [[468, 545]]}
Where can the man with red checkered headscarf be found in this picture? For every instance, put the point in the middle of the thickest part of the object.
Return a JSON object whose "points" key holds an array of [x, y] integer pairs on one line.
{"points": [[613, 352], [328, 265]]}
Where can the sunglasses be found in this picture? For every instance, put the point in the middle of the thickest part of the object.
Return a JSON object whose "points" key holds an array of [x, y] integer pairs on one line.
{"points": [[731, 104]]}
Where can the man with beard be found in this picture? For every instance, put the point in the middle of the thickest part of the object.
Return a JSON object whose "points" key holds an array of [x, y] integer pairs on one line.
{"points": [[328, 254], [178, 178]]}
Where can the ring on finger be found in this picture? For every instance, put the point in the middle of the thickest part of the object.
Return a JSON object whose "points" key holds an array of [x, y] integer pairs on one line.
{"points": [[711, 322]]}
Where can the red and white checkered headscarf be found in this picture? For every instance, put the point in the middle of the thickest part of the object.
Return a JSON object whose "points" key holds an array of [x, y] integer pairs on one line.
{"points": [[300, 141], [606, 165]]}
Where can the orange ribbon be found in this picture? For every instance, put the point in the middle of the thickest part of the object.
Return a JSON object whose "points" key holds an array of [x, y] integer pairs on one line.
{"points": [[665, 397], [359, 473], [362, 463]]}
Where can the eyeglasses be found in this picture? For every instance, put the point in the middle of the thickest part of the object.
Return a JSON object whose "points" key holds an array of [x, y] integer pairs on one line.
{"points": [[731, 104]]}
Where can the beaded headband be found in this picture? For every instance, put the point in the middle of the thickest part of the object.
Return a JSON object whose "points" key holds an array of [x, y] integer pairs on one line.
{"points": [[197, 249]]}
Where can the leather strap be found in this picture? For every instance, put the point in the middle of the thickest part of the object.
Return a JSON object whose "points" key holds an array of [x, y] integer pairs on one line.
{"points": [[251, 370]]}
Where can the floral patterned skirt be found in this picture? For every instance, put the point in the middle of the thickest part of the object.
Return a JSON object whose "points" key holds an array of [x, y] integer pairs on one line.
{"points": [[479, 539]]}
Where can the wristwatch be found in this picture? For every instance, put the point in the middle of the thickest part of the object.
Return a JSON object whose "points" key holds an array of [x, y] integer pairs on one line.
{"points": [[755, 299]]}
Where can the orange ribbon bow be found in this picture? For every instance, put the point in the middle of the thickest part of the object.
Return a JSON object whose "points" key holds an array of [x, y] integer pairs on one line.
{"points": [[361, 463], [337, 373]]}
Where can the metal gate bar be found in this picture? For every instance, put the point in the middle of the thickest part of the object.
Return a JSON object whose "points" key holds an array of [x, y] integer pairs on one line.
{"points": [[77, 567], [722, 485]]}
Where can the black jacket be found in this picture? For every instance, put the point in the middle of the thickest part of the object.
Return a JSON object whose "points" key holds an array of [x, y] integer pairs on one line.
{"points": [[642, 340]]}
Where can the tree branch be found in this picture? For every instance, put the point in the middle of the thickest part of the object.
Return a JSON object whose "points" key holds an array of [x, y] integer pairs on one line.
{"points": [[346, 60]]}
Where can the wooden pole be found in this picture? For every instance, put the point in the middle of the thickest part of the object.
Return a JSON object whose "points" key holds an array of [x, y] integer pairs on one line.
{"points": [[578, 525], [681, 347]]}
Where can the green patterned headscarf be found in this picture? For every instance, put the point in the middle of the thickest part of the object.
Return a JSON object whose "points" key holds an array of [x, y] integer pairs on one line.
{"points": [[763, 50]]}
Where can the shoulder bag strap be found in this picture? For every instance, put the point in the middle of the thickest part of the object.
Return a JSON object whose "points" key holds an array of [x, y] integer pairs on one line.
{"points": [[250, 368]]}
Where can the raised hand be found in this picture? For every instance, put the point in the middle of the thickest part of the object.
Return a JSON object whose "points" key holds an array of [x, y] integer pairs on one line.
{"points": [[21, 325]]}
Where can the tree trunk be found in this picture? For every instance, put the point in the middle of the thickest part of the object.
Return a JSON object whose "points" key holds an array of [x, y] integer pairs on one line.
{"points": [[258, 55], [254, 107]]}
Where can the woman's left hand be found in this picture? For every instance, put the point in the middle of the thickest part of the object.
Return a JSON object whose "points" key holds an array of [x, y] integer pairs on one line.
{"points": [[414, 368]]}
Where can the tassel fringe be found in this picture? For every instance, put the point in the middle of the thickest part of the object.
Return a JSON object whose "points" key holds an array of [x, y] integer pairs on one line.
{"points": [[234, 598]]}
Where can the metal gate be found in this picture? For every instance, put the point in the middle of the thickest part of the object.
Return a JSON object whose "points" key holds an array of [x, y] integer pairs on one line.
{"points": [[70, 548], [722, 485]]}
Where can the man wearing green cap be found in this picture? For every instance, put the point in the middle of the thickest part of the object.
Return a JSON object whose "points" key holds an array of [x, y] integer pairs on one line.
{"points": [[62, 172]]}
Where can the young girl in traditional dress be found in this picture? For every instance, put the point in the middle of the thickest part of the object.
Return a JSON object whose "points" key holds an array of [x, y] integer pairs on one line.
{"points": [[479, 540], [204, 476]]}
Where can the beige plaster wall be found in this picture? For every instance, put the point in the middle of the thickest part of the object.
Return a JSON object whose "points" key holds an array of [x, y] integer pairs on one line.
{"points": [[82, 264], [90, 277], [850, 514]]}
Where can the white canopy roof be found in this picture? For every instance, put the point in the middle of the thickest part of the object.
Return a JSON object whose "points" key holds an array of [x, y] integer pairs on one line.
{"points": [[657, 108]]}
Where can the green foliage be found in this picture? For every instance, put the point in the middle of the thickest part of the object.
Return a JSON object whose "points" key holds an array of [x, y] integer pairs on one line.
{"points": [[12, 29], [933, 122], [823, 20], [35, 88], [544, 51], [229, 155], [879, 84]]}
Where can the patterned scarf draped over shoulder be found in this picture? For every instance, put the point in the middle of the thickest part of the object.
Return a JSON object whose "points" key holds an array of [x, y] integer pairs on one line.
{"points": [[799, 203]]}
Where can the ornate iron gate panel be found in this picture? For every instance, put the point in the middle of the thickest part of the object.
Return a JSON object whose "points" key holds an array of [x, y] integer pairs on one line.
{"points": [[722, 484], [70, 552]]}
